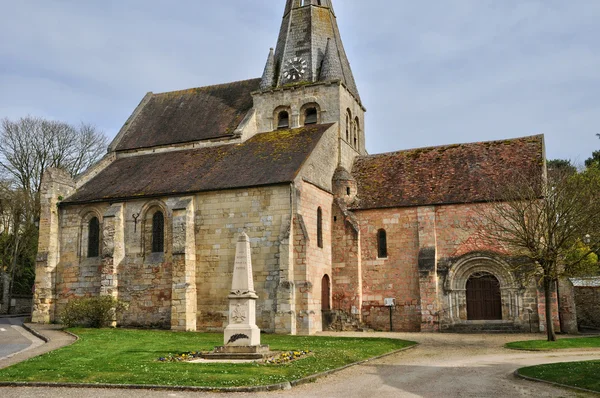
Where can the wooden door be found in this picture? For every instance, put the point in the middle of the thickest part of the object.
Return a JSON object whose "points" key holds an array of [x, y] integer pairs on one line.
{"points": [[325, 294], [483, 298]]}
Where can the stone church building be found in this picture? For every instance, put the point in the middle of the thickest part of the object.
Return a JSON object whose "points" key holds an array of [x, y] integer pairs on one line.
{"points": [[334, 231]]}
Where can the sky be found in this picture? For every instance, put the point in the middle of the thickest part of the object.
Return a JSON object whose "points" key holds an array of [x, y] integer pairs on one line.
{"points": [[429, 72]]}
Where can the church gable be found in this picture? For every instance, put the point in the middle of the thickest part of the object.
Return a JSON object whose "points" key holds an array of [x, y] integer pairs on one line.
{"points": [[196, 114], [461, 173], [265, 159]]}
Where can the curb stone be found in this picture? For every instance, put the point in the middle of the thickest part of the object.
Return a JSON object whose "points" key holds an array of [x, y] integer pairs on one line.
{"points": [[35, 333], [288, 385], [528, 378], [45, 338]]}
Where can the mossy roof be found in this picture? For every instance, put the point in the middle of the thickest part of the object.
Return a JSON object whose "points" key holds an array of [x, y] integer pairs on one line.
{"points": [[450, 174], [265, 159], [189, 115]]}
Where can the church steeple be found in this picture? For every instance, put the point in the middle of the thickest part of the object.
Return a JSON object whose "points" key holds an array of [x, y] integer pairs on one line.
{"points": [[309, 48]]}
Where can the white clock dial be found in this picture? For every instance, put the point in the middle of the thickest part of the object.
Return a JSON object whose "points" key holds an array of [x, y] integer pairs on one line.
{"points": [[294, 69]]}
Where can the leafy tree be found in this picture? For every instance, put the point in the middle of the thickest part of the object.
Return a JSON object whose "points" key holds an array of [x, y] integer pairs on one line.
{"points": [[594, 161], [554, 224], [561, 165]]}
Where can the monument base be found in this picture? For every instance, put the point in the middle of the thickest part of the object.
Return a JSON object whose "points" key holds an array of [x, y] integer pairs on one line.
{"points": [[241, 335], [239, 353]]}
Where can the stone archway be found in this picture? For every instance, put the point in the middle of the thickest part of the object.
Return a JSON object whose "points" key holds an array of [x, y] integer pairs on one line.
{"points": [[484, 281]]}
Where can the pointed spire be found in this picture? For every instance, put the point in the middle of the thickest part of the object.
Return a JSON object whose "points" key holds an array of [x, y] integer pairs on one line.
{"points": [[268, 77], [331, 69], [300, 55]]}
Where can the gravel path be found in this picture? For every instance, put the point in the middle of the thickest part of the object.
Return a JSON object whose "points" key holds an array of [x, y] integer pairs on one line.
{"points": [[444, 365]]}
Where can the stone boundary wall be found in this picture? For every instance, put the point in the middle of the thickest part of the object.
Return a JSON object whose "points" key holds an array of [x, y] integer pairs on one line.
{"points": [[22, 304], [587, 301]]}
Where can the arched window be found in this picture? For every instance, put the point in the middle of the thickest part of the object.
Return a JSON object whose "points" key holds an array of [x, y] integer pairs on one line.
{"points": [[283, 120], [356, 132], [310, 116], [158, 232], [319, 227], [348, 122], [381, 244], [93, 238]]}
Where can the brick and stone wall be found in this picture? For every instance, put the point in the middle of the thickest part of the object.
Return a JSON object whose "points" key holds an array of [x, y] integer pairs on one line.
{"points": [[395, 276], [461, 252]]}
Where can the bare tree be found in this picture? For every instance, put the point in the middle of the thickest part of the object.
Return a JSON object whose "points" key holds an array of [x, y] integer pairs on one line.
{"points": [[29, 146], [555, 225]]}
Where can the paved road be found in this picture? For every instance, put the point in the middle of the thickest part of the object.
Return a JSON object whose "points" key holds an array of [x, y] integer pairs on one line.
{"points": [[443, 365], [12, 336]]}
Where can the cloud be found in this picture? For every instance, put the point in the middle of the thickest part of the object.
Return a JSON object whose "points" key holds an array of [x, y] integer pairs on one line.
{"points": [[429, 72]]}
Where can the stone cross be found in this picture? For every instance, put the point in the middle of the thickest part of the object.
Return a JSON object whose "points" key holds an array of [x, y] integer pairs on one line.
{"points": [[242, 329]]}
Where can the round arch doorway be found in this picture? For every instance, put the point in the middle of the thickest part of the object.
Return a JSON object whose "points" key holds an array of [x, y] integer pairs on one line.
{"points": [[484, 301]]}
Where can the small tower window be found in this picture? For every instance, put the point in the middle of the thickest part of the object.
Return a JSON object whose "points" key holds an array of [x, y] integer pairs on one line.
{"points": [[348, 191], [158, 233], [381, 243], [283, 120], [310, 116], [320, 228], [93, 238]]}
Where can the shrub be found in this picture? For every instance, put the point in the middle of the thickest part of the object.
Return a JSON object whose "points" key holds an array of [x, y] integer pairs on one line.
{"points": [[94, 312]]}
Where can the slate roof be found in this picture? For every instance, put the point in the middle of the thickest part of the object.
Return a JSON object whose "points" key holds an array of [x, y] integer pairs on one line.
{"points": [[189, 115], [265, 159], [586, 282], [448, 174]]}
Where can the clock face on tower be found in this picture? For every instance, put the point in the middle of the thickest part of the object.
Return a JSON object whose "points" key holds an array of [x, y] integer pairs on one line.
{"points": [[294, 68]]}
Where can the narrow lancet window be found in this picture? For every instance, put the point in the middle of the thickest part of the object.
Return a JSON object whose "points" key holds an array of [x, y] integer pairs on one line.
{"points": [[93, 238], [381, 244], [158, 233], [348, 122], [319, 227], [356, 133]]}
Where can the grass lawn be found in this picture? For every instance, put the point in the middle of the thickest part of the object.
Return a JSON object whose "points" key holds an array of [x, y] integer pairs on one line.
{"points": [[120, 356], [541, 345], [576, 374]]}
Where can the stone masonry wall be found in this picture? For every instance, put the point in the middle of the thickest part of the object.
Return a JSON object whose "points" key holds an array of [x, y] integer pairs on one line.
{"points": [[587, 300], [326, 96], [146, 281], [317, 261], [395, 276], [220, 217]]}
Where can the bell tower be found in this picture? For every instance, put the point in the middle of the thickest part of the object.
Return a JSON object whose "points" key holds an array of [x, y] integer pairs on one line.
{"points": [[308, 80], [309, 48]]}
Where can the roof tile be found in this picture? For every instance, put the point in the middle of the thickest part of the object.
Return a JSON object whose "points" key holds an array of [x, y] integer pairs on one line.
{"points": [[265, 159], [462, 173], [190, 115]]}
